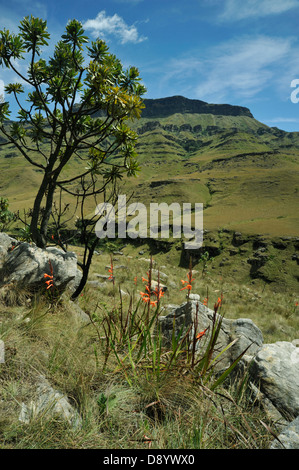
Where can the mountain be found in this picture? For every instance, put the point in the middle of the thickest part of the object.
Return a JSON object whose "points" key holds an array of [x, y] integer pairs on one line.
{"points": [[245, 173], [178, 104]]}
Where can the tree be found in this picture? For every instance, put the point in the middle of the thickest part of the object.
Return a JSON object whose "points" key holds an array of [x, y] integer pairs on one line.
{"points": [[60, 123], [6, 217]]}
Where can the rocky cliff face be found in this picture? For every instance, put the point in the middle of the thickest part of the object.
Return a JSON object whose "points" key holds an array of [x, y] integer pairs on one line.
{"points": [[178, 104]]}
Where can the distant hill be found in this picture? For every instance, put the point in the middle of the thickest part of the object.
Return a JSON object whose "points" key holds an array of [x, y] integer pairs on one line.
{"points": [[245, 173], [163, 107]]}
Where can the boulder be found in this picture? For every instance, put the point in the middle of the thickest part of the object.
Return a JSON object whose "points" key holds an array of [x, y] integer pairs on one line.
{"points": [[49, 403], [156, 272], [25, 265], [195, 297], [6, 244], [275, 368], [78, 312], [155, 285], [288, 438], [194, 314]]}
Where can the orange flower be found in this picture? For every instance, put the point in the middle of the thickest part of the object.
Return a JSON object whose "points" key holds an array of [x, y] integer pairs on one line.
{"points": [[296, 304], [188, 283], [50, 284], [189, 276], [201, 334], [205, 301], [110, 270], [50, 281], [111, 275], [218, 303], [158, 292], [145, 297], [188, 286]]}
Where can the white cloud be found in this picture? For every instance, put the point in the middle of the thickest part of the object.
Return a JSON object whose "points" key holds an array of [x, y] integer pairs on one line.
{"points": [[244, 67], [238, 69], [239, 10], [278, 120], [104, 25]]}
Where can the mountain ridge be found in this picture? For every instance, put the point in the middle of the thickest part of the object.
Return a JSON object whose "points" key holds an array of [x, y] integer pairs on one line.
{"points": [[162, 107], [244, 172]]}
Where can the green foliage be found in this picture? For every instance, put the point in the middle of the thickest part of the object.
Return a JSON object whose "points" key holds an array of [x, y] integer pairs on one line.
{"points": [[6, 217], [154, 401], [105, 403], [66, 90], [24, 234]]}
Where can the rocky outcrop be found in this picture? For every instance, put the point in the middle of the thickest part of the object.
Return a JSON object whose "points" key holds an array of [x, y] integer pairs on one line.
{"points": [[49, 403], [273, 369], [194, 315], [6, 245], [276, 369], [25, 265], [288, 438], [178, 104]]}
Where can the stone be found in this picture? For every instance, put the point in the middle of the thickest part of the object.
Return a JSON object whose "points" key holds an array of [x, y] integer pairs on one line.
{"points": [[26, 265], [155, 272], [275, 369], [124, 293], [155, 284], [186, 316], [147, 260], [271, 412], [78, 312], [172, 284], [49, 403], [289, 437], [6, 244], [195, 297], [247, 335], [96, 284]]}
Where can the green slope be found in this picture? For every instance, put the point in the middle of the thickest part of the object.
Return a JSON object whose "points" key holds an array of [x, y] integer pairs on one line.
{"points": [[245, 173]]}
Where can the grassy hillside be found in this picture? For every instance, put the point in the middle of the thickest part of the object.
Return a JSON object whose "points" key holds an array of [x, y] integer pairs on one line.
{"points": [[130, 391], [126, 401], [245, 173]]}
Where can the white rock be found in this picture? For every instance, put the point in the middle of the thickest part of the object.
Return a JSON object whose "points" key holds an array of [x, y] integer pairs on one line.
{"points": [[49, 403]]}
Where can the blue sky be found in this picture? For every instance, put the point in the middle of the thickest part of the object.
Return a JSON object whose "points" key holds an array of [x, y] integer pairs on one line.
{"points": [[241, 52]]}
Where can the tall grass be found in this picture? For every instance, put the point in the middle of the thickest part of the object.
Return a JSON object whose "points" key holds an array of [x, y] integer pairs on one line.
{"points": [[131, 388]]}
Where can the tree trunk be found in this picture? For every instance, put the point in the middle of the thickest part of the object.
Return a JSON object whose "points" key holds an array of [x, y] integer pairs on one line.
{"points": [[48, 210], [85, 269], [34, 230]]}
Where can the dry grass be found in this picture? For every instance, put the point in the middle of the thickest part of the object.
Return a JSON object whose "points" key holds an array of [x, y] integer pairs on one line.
{"points": [[122, 405]]}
